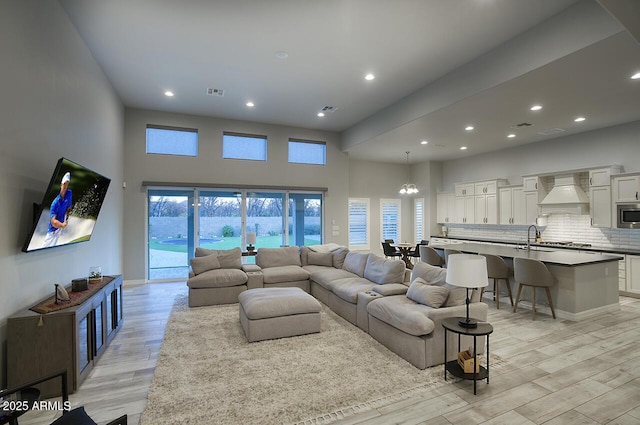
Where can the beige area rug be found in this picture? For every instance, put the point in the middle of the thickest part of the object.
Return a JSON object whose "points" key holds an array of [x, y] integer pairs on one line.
{"points": [[208, 373]]}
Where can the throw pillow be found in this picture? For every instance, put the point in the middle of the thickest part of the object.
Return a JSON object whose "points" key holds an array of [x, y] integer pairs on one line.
{"points": [[338, 257], [457, 296], [77, 416], [355, 262], [320, 258], [204, 264], [431, 295]]}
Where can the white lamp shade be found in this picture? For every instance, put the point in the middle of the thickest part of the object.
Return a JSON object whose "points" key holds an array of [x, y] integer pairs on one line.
{"points": [[467, 270], [251, 238]]}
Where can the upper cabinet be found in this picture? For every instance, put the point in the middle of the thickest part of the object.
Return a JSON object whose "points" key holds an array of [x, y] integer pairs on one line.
{"points": [[512, 205], [626, 188], [600, 196], [445, 207], [477, 203]]}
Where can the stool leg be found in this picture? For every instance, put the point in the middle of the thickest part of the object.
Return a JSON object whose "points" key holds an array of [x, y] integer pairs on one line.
{"points": [[509, 290], [533, 305], [553, 313], [515, 307], [496, 291]]}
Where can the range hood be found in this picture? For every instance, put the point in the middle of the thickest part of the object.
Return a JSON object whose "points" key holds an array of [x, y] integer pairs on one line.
{"points": [[566, 197]]}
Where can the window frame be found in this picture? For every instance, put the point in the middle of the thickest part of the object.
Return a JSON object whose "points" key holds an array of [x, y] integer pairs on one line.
{"points": [[367, 231], [247, 136], [175, 129], [308, 142]]}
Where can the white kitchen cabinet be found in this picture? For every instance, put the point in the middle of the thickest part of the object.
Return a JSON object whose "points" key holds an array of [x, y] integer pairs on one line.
{"points": [[484, 188], [486, 209], [465, 209], [600, 206], [512, 205], [600, 177], [626, 188], [633, 274], [622, 274], [445, 208], [531, 208], [465, 189], [531, 184]]}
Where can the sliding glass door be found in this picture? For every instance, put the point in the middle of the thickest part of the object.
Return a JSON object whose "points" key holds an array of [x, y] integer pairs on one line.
{"points": [[170, 233], [221, 219]]}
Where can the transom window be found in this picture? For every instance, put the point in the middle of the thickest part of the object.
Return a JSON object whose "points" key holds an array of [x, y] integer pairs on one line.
{"points": [[172, 140], [307, 152], [244, 146]]}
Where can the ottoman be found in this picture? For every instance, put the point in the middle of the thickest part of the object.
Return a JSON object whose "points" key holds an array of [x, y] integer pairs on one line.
{"points": [[270, 313]]}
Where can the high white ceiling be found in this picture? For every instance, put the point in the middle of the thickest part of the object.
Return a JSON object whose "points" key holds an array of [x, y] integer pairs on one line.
{"points": [[146, 47]]}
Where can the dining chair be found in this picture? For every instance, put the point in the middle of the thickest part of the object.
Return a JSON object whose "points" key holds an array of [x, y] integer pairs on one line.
{"points": [[535, 274], [389, 251]]}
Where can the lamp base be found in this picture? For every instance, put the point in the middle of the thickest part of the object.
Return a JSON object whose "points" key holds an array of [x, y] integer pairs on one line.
{"points": [[468, 323]]}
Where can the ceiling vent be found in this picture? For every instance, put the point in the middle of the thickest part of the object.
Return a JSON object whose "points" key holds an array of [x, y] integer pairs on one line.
{"points": [[522, 124], [329, 109], [215, 92], [549, 131]]}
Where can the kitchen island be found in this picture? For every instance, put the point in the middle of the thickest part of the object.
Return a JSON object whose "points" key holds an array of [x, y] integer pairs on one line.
{"points": [[586, 283]]}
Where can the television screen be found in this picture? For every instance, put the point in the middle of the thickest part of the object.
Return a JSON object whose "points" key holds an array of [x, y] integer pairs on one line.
{"points": [[69, 209]]}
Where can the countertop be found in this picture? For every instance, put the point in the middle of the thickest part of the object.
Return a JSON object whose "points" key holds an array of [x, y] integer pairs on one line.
{"points": [[604, 249], [546, 255]]}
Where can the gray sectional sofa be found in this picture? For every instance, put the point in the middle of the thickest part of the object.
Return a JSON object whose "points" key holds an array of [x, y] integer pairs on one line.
{"points": [[400, 308]]}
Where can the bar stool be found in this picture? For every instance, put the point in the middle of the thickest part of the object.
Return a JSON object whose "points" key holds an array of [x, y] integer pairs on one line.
{"points": [[449, 251], [430, 256], [535, 274], [497, 270]]}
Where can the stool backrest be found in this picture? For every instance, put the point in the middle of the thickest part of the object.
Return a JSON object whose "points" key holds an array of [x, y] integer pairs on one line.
{"points": [[430, 256], [496, 267], [449, 251], [532, 272]]}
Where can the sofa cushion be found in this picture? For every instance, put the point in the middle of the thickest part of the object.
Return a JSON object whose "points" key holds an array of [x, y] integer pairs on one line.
{"points": [[203, 264], [228, 258], [327, 276], [457, 296], [431, 295], [284, 274], [389, 289], [355, 262], [320, 258], [338, 257], [263, 303], [431, 274], [276, 257], [218, 278], [380, 270], [349, 288], [402, 313], [327, 247]]}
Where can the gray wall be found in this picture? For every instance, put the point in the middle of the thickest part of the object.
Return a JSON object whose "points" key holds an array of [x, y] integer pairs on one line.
{"points": [[55, 102], [612, 145], [210, 168]]}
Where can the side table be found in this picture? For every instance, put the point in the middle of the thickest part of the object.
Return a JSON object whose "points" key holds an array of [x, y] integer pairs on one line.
{"points": [[482, 330], [16, 407]]}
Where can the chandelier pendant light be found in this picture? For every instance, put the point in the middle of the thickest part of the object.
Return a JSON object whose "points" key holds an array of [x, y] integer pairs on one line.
{"points": [[408, 188]]}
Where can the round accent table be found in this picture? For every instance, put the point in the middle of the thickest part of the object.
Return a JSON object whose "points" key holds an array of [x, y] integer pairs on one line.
{"points": [[482, 330]]}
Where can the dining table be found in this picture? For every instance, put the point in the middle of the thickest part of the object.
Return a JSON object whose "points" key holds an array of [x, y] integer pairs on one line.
{"points": [[405, 250]]}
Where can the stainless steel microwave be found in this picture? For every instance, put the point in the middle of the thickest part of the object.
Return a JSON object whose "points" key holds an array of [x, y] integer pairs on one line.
{"points": [[629, 216]]}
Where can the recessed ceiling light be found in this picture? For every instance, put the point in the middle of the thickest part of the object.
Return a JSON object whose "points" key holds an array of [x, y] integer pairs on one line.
{"points": [[281, 55], [168, 93], [463, 148], [511, 136], [250, 104], [424, 142], [536, 107], [580, 119], [369, 77], [321, 114], [636, 76], [469, 128]]}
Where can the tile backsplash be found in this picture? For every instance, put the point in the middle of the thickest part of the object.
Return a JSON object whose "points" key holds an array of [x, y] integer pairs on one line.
{"points": [[560, 227]]}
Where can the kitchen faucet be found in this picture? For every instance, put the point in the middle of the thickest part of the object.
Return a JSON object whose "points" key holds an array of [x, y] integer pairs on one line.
{"points": [[529, 236]]}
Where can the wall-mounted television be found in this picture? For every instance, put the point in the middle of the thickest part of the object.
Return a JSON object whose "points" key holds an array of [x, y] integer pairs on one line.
{"points": [[69, 209]]}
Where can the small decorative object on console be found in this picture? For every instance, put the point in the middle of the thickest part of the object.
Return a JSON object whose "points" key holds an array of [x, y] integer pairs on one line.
{"points": [[61, 294], [80, 284], [251, 240], [95, 273]]}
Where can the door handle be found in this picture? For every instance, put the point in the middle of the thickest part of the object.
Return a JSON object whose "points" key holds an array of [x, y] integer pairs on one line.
{"points": [[591, 181], [536, 185]]}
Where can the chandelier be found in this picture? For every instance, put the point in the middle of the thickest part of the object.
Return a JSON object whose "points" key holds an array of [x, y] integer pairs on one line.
{"points": [[408, 188]]}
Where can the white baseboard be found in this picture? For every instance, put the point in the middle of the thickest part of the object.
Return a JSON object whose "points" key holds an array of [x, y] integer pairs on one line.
{"points": [[133, 282]]}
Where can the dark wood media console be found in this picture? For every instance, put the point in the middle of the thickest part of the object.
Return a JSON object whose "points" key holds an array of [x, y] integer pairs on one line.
{"points": [[73, 339]]}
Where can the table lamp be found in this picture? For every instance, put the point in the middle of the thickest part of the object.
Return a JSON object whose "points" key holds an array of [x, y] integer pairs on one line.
{"points": [[251, 240], [467, 271]]}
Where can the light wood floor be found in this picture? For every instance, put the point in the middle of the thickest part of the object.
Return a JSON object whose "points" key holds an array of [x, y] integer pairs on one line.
{"points": [[563, 372]]}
